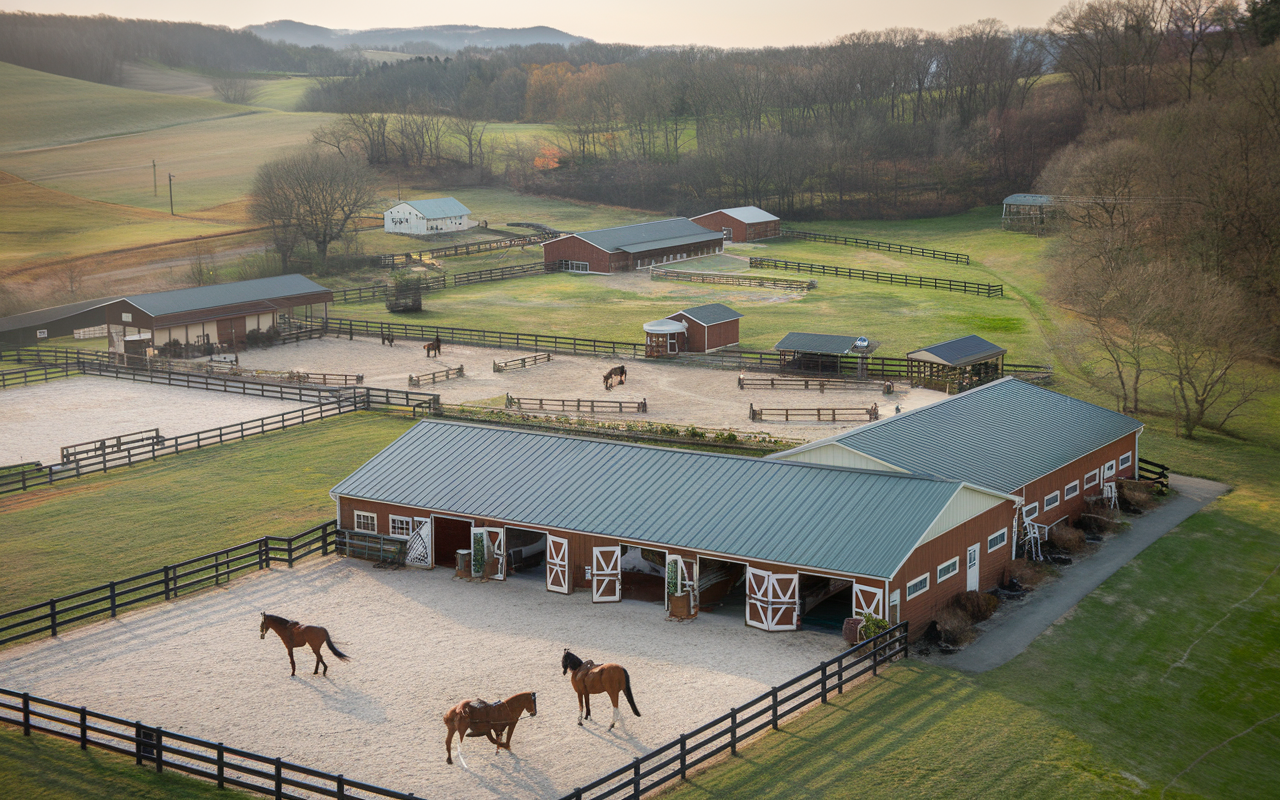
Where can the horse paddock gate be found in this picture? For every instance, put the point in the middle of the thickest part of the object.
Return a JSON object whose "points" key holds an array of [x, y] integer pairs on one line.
{"points": [[870, 414], [589, 406], [820, 384], [416, 381]]}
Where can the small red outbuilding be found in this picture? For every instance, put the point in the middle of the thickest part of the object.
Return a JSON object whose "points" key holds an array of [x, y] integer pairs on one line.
{"points": [[710, 327], [742, 224]]}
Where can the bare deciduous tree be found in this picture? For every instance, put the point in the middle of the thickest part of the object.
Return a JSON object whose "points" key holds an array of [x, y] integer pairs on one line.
{"points": [[315, 193], [239, 91]]}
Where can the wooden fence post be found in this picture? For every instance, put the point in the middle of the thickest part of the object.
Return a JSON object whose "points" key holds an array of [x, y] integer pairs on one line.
{"points": [[222, 765], [824, 683], [635, 779], [733, 731], [53, 617], [111, 589], [84, 728], [340, 788], [279, 779], [137, 743], [26, 713], [774, 693], [159, 750]]}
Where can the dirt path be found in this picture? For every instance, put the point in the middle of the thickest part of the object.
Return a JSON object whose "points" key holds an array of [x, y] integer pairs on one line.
{"points": [[419, 642]]}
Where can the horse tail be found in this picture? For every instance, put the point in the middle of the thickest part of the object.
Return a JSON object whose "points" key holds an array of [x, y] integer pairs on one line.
{"points": [[626, 689], [329, 641]]}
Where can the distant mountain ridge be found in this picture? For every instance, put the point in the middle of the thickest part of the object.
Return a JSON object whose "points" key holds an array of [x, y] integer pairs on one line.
{"points": [[448, 37]]}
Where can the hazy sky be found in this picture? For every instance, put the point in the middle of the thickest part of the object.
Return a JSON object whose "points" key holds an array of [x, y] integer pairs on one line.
{"points": [[734, 23]]}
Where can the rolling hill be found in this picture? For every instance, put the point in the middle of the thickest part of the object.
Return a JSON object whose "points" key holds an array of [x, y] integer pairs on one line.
{"points": [[447, 37]]}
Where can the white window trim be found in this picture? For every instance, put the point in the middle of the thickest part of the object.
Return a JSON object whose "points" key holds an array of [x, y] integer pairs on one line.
{"points": [[1071, 491], [1126, 460], [361, 515], [1056, 497], [408, 521], [579, 266], [1003, 533], [954, 564], [1031, 511], [1108, 470], [1090, 479], [918, 592]]}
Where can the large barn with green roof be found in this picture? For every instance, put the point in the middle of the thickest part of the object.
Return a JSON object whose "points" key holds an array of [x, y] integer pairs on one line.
{"points": [[631, 246]]}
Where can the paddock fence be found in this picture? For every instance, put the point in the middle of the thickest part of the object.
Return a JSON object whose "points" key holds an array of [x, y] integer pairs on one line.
{"points": [[806, 383], [479, 338], [675, 759], [1153, 471], [730, 279], [27, 376], [891, 278], [872, 244], [111, 444], [589, 406], [404, 259], [521, 363], [870, 414], [439, 375]]}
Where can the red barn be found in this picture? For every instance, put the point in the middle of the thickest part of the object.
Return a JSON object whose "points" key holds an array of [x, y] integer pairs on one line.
{"points": [[632, 246], [742, 224], [710, 327]]}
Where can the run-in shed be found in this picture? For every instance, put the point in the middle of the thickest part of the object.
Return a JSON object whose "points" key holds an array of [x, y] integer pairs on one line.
{"points": [[710, 327]]}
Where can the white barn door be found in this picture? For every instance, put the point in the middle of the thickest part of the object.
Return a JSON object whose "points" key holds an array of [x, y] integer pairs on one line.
{"points": [[606, 574], [421, 549], [971, 571], [867, 600], [773, 600], [495, 550], [557, 564]]}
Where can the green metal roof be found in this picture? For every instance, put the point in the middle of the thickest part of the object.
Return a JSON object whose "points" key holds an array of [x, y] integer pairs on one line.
{"points": [[711, 314], [960, 352], [437, 207], [1003, 435], [224, 294], [853, 521], [649, 235], [817, 343]]}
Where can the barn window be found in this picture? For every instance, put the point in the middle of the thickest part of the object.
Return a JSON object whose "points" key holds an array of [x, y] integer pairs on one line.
{"points": [[948, 569], [126, 316], [1031, 511], [1072, 490], [996, 540], [366, 523], [1091, 479], [401, 526], [1108, 469], [918, 586], [1051, 500], [578, 266], [1126, 460]]}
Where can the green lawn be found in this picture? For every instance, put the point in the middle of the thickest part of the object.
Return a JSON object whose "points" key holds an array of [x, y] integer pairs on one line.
{"points": [[83, 532]]}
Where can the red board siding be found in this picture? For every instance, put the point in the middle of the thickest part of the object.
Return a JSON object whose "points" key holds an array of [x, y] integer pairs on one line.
{"points": [[742, 231], [703, 338], [1058, 480], [571, 248], [925, 559]]}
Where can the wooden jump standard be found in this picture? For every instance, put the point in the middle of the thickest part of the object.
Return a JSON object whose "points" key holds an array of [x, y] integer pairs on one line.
{"points": [[819, 414], [590, 406]]}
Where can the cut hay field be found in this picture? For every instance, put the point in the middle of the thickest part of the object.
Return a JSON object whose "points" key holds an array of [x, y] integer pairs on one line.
{"points": [[43, 110]]}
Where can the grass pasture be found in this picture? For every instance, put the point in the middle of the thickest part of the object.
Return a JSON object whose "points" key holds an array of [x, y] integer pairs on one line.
{"points": [[43, 110]]}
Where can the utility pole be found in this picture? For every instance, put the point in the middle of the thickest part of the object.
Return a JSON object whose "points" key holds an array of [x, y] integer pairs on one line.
{"points": [[155, 184], [171, 196]]}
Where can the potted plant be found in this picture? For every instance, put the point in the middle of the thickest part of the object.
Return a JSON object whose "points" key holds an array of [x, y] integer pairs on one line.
{"points": [[678, 601], [477, 556]]}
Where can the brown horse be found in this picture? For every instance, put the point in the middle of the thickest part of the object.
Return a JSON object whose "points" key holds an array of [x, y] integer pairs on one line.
{"points": [[294, 635], [619, 372], [478, 718], [432, 348], [589, 679]]}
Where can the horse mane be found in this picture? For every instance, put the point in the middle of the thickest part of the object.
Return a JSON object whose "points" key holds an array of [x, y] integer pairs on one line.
{"points": [[570, 660], [279, 620]]}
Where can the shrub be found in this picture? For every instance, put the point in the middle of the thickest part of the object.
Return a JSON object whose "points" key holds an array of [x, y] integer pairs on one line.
{"points": [[1102, 520], [977, 605], [1138, 496], [694, 433], [1067, 539], [954, 626], [726, 436], [873, 625], [1026, 572]]}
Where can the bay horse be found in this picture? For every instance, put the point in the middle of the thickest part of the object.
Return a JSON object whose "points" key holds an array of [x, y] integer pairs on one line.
{"points": [[432, 348], [619, 372], [589, 679], [294, 634], [478, 718]]}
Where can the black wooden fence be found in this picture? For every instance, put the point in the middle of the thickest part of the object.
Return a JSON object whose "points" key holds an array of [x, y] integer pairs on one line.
{"points": [[521, 363], [480, 338], [35, 374], [404, 259], [1153, 471], [870, 414], [590, 406], [889, 247], [806, 383], [676, 758], [436, 283], [730, 279], [891, 278], [436, 377]]}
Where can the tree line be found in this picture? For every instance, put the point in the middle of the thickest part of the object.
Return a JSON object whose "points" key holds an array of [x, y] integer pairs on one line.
{"points": [[97, 48]]}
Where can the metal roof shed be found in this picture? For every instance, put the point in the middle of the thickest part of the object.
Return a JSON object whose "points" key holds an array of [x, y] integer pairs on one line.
{"points": [[962, 352]]}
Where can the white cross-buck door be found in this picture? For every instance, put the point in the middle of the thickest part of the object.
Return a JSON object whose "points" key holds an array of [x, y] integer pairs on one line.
{"points": [[557, 564], [971, 573], [606, 574], [495, 547], [421, 549], [773, 600], [867, 599]]}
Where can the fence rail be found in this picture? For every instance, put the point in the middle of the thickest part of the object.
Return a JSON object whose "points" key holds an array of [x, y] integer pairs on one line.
{"points": [[821, 384], [730, 279], [890, 247], [481, 338], [35, 374], [521, 363], [111, 444], [1153, 471], [590, 406], [891, 278], [404, 259], [870, 414], [437, 376], [436, 283], [676, 758]]}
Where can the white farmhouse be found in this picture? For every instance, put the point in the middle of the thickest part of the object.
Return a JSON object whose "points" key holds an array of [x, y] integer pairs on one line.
{"points": [[421, 217]]}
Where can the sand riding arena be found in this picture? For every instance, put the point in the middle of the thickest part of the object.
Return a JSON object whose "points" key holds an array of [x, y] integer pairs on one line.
{"points": [[419, 641]]}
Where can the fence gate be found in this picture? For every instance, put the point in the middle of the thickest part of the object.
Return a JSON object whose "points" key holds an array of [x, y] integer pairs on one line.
{"points": [[773, 600], [606, 574], [495, 547], [557, 564], [421, 549], [867, 599]]}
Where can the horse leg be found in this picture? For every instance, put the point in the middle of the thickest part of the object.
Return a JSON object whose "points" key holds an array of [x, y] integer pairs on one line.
{"points": [[587, 696], [613, 696], [580, 696], [319, 661], [293, 667], [462, 735], [448, 744]]}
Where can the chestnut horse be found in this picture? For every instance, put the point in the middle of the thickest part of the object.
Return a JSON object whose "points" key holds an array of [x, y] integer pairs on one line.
{"points": [[589, 679], [294, 635], [619, 372], [478, 718]]}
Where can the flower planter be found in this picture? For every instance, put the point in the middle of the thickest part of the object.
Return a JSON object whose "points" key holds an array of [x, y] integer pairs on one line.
{"points": [[679, 604], [463, 568], [852, 630]]}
